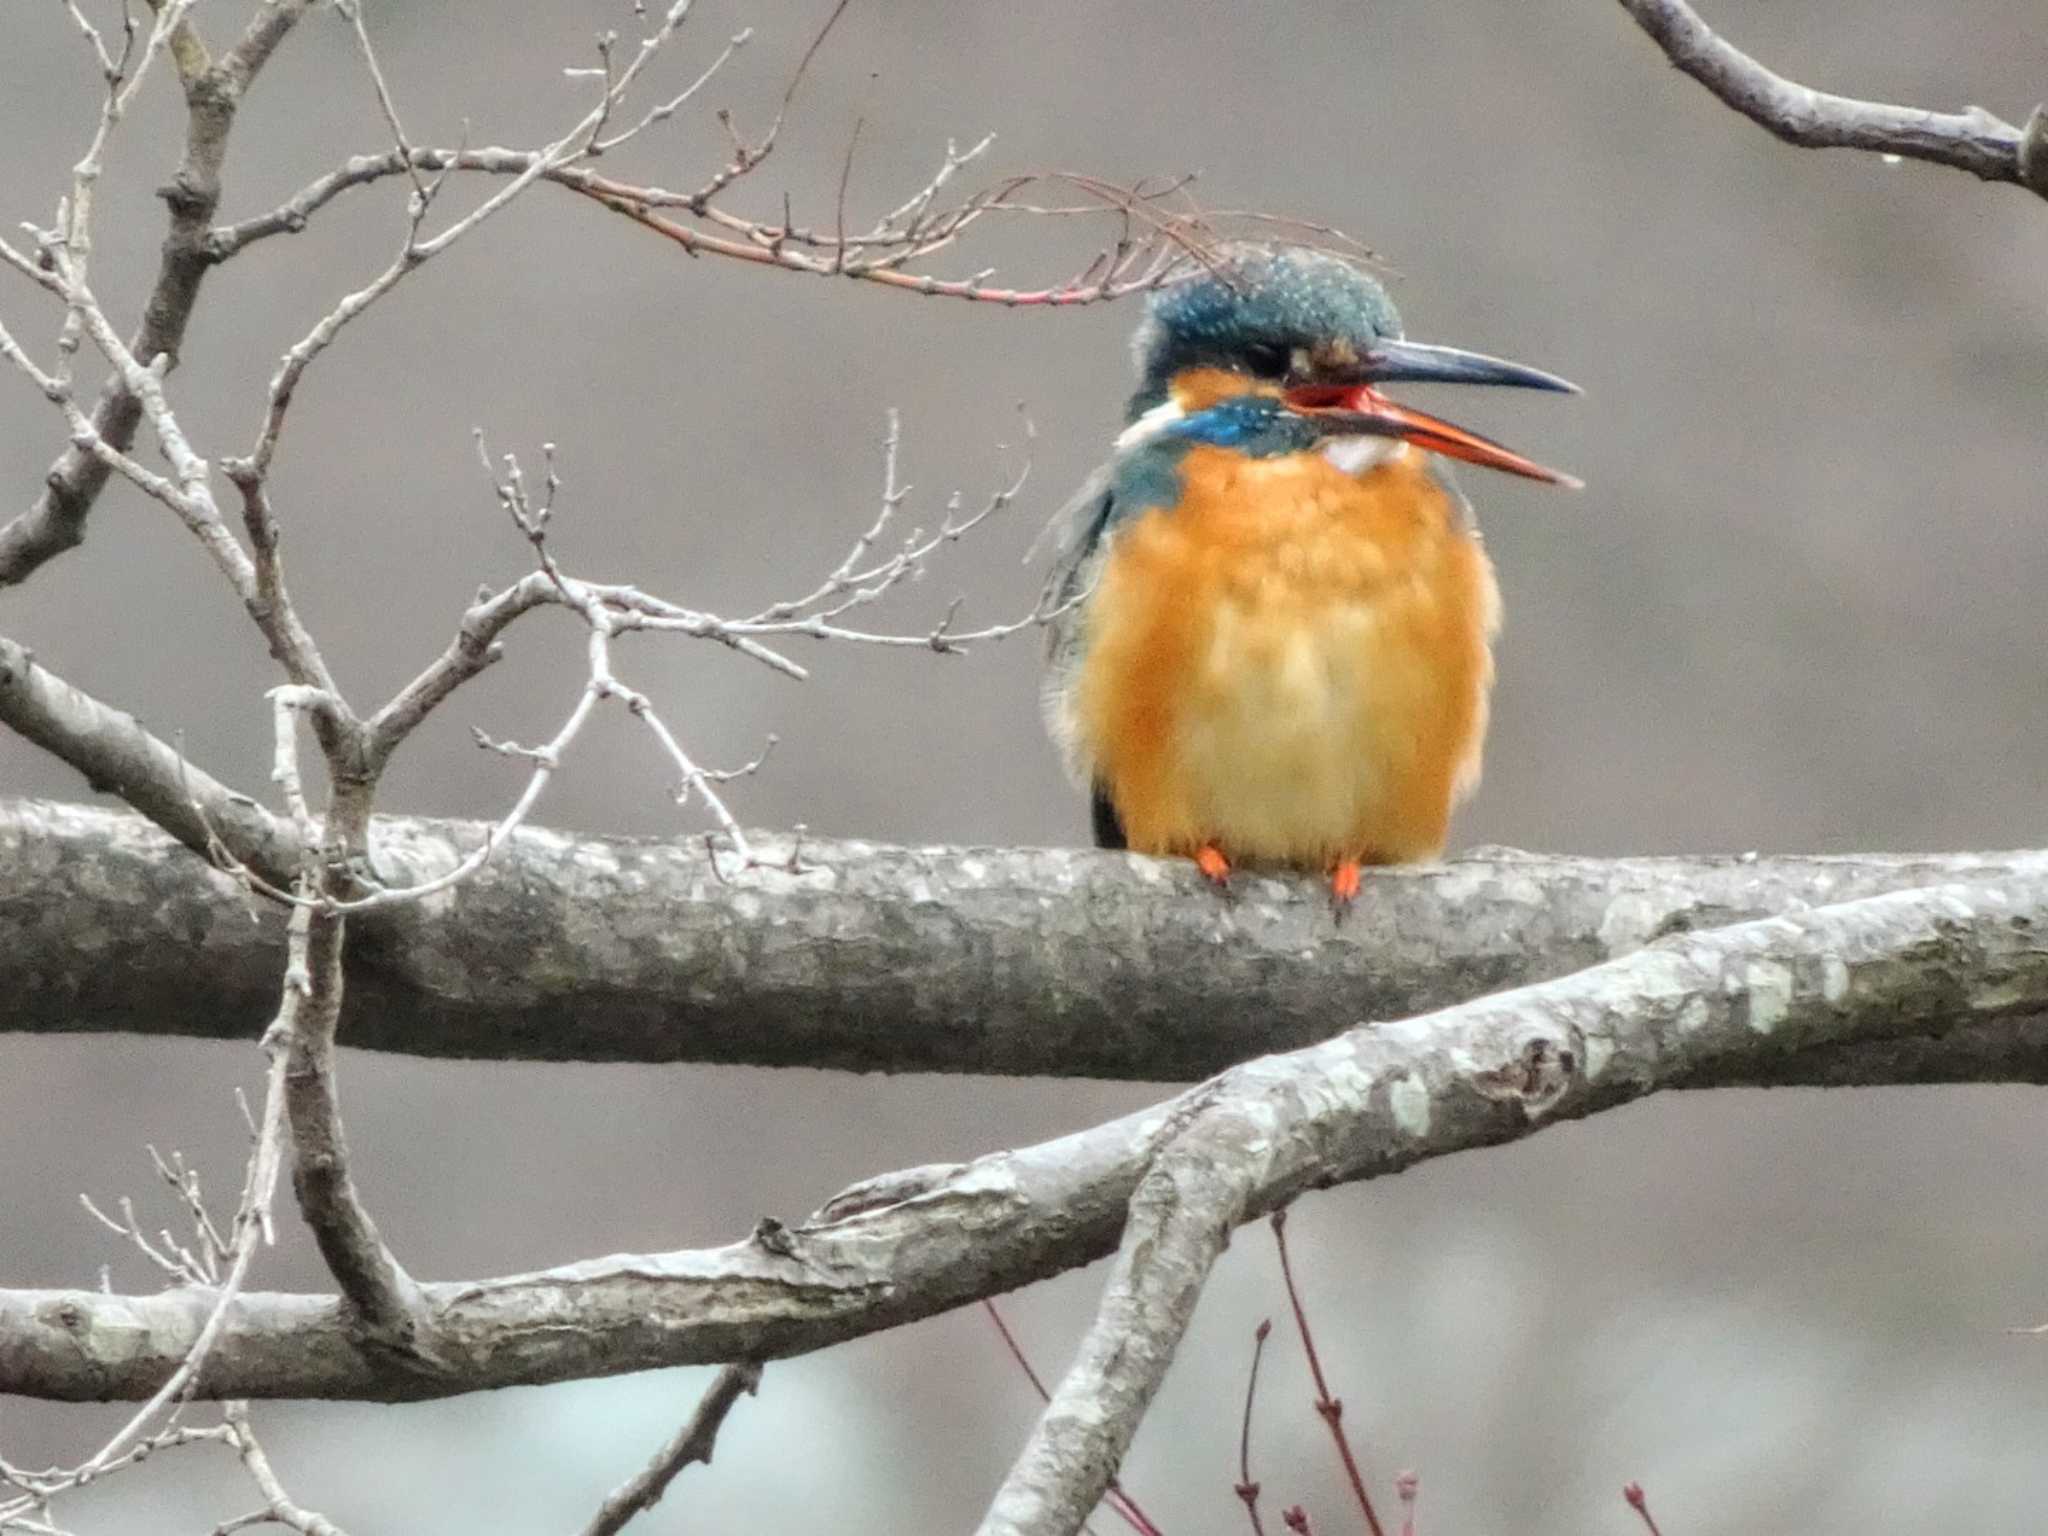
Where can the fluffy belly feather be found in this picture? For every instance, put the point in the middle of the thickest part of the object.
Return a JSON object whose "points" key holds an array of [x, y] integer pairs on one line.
{"points": [[1293, 669]]}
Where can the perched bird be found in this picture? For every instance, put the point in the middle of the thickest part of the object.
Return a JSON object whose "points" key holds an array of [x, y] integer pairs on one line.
{"points": [[1274, 616]]}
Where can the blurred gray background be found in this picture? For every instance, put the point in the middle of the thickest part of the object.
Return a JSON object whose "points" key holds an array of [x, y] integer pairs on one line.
{"points": [[1797, 608]]}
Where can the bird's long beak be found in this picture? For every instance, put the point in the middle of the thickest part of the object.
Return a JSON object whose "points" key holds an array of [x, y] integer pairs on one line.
{"points": [[1350, 403]]}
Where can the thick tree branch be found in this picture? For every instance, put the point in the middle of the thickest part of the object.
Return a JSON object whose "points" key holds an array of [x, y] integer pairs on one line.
{"points": [[56, 521], [1225, 1151], [1890, 984], [842, 954], [1971, 140], [118, 755]]}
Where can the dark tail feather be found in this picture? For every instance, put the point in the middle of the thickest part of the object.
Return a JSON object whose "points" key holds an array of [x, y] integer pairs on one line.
{"points": [[1109, 827]]}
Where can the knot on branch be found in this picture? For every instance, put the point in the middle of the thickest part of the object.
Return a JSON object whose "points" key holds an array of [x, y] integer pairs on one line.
{"points": [[190, 196], [1540, 1074]]}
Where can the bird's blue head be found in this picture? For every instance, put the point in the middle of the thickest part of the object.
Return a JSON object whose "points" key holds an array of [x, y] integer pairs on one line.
{"points": [[1310, 334], [1271, 314]]}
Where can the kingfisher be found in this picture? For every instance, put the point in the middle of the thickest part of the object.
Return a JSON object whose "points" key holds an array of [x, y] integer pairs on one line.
{"points": [[1273, 617]]}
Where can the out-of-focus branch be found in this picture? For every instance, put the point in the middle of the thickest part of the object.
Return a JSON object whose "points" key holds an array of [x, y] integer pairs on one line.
{"points": [[692, 1443], [1906, 986], [56, 520], [847, 954], [1971, 140]]}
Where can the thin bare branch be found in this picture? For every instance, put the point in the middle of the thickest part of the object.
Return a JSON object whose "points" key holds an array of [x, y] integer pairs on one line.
{"points": [[1640, 1503], [1247, 1487], [279, 1508], [1329, 1408], [250, 1231], [663, 111], [692, 1443], [417, 250], [56, 520], [1971, 140]]}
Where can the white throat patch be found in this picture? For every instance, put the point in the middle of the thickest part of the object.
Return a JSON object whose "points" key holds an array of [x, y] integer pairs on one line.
{"points": [[1355, 455], [1150, 425]]}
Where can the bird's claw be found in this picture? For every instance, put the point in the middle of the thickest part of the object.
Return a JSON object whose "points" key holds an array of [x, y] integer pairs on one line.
{"points": [[1344, 883]]}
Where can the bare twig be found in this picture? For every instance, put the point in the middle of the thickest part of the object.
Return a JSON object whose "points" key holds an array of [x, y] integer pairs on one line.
{"points": [[1971, 140], [352, 12], [1640, 1503], [1406, 1486], [1328, 1408], [31, 1512], [1172, 233], [609, 610], [249, 1231], [279, 1508], [56, 521], [692, 1443], [663, 111], [1246, 1488], [417, 250]]}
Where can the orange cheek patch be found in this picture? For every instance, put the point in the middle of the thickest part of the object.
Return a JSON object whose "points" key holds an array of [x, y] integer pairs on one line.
{"points": [[1196, 389]]}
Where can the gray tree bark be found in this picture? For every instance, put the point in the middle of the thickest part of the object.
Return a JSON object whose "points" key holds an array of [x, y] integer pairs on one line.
{"points": [[1046, 962], [1938, 984]]}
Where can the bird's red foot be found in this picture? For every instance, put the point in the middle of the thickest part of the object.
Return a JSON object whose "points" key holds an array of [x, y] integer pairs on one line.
{"points": [[1344, 883], [1214, 867]]}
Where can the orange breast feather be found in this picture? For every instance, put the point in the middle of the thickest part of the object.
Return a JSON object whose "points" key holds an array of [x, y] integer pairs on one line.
{"points": [[1292, 664]]}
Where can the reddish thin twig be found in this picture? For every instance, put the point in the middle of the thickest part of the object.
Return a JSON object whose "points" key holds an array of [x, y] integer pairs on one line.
{"points": [[1640, 1503], [1247, 1490], [1331, 1409], [1127, 1508]]}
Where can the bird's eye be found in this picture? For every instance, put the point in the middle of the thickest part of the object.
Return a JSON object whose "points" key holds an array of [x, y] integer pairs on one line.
{"points": [[1268, 360]]}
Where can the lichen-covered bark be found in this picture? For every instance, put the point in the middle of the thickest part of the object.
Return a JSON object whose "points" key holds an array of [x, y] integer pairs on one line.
{"points": [[868, 957], [1786, 999]]}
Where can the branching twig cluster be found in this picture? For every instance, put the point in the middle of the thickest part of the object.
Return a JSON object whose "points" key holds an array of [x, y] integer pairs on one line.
{"points": [[329, 873], [212, 1261]]}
